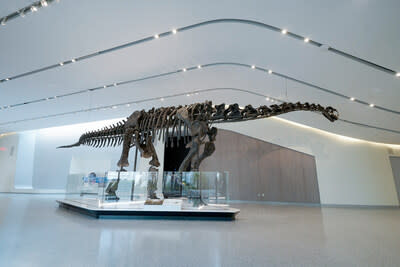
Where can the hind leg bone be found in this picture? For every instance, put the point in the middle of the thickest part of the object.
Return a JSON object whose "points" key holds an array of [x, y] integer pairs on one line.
{"points": [[123, 161]]}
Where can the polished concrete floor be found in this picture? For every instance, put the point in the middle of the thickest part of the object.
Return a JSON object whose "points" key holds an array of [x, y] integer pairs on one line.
{"points": [[35, 232]]}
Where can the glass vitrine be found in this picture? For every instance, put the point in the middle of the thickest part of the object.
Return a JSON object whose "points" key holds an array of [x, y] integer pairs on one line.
{"points": [[135, 189]]}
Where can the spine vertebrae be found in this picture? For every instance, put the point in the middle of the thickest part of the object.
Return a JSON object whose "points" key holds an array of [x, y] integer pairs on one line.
{"points": [[165, 122]]}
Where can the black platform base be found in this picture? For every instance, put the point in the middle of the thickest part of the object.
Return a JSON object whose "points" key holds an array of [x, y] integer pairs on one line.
{"points": [[225, 214]]}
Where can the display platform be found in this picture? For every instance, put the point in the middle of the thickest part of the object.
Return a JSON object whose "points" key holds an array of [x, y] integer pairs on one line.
{"points": [[139, 209]]}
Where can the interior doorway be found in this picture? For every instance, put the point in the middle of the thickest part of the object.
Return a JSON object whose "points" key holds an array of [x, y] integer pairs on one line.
{"points": [[174, 153]]}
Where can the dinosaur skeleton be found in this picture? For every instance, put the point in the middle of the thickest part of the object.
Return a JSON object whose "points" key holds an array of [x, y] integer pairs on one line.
{"points": [[141, 129]]}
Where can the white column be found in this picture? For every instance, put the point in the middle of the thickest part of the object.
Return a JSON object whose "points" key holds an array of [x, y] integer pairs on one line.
{"points": [[25, 160]]}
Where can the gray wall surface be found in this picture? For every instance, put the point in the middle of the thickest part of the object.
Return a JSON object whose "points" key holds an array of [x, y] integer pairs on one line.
{"points": [[395, 162], [259, 170]]}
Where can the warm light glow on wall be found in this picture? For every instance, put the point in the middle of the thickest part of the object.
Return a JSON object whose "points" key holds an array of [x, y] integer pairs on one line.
{"points": [[337, 136], [6, 134]]}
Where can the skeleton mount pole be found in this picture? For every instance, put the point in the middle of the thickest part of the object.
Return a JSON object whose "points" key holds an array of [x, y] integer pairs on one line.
{"points": [[134, 170]]}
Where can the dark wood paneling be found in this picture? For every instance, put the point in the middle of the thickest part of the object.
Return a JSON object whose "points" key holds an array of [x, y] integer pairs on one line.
{"points": [[395, 163], [259, 170]]}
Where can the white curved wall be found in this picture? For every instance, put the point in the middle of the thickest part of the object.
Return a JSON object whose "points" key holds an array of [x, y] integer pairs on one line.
{"points": [[350, 172]]}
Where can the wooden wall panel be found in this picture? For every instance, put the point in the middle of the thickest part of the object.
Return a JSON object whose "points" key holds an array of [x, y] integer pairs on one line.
{"points": [[395, 163], [263, 171]]}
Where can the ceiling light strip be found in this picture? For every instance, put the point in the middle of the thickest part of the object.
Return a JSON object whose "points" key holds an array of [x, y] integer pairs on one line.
{"points": [[363, 61], [25, 10], [162, 98], [269, 71], [210, 22]]}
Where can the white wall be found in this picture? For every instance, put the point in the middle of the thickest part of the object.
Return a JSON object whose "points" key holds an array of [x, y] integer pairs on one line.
{"points": [[8, 157], [46, 168], [49, 167], [349, 171], [25, 160]]}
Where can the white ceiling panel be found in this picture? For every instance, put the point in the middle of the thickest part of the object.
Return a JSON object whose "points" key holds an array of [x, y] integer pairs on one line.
{"points": [[70, 29]]}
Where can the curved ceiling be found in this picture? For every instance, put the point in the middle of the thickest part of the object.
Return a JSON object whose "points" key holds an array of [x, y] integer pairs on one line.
{"points": [[66, 30]]}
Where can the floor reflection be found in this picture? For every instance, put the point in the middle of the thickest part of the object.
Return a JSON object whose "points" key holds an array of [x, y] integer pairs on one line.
{"points": [[35, 232]]}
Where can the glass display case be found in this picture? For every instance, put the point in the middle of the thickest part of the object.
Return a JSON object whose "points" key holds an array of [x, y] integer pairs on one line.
{"points": [[185, 190], [197, 187]]}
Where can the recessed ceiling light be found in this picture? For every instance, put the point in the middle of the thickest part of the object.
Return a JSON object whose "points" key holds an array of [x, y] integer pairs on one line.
{"points": [[174, 31], [3, 22], [43, 3], [253, 67], [284, 31], [199, 66], [114, 106], [269, 71], [352, 98], [61, 63], [184, 69], [398, 74], [267, 98], [33, 8], [161, 99], [306, 40], [7, 79], [371, 105], [73, 60], [115, 84], [156, 36], [128, 105], [187, 94]]}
